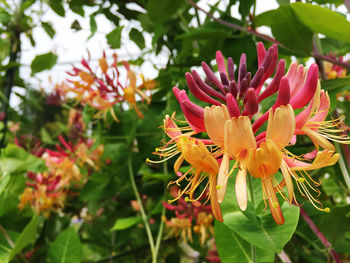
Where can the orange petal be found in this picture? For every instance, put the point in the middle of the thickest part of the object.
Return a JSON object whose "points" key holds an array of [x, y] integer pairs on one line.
{"points": [[241, 189], [214, 121], [275, 208], [215, 206], [239, 138], [318, 139]]}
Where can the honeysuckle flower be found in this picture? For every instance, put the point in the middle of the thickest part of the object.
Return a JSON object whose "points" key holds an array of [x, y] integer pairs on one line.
{"points": [[235, 133], [189, 215], [108, 85], [43, 193]]}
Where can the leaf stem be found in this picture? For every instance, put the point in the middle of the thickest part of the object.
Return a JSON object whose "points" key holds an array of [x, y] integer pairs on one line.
{"points": [[143, 214], [342, 166]]}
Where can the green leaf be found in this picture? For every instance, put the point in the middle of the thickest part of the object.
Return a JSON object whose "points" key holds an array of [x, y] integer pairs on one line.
{"points": [[137, 37], [330, 45], [16, 160], [114, 37], [43, 62], [233, 248], [244, 7], [124, 223], [28, 236], [66, 248], [203, 33], [48, 29], [160, 11], [261, 231], [57, 7], [93, 25], [323, 20], [287, 29], [77, 6]]}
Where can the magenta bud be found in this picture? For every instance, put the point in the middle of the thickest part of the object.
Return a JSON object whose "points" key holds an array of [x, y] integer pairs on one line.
{"points": [[242, 70], [243, 87], [193, 108], [283, 92], [197, 92], [261, 51], [227, 89], [220, 62], [205, 87], [256, 81], [270, 61], [2, 115], [224, 79], [306, 93], [231, 68], [248, 76], [274, 85], [232, 105], [251, 105], [211, 76], [233, 88]]}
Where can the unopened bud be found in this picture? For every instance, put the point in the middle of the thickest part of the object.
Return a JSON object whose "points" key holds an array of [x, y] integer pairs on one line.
{"points": [[283, 92], [231, 69], [224, 79], [255, 83], [252, 101], [233, 88], [232, 105]]}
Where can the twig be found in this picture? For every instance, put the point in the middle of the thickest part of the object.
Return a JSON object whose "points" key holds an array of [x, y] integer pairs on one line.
{"points": [[265, 37], [284, 257], [320, 236]]}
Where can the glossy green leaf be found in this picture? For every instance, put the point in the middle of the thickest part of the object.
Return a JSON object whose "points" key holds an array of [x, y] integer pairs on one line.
{"points": [[66, 248], [114, 37], [137, 37], [323, 20], [93, 25], [124, 223], [260, 230], [232, 248], [43, 62]]}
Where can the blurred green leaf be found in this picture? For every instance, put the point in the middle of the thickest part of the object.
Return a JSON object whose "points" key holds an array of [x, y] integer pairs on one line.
{"points": [[93, 25], [288, 29], [77, 6], [66, 248], [124, 223], [137, 37], [43, 62], [336, 47], [114, 37], [16, 160], [57, 7], [48, 29], [323, 20], [28, 236]]}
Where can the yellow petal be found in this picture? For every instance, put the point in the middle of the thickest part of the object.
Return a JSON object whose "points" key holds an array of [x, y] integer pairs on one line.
{"points": [[281, 125], [241, 189], [318, 139], [223, 177], [239, 138], [288, 179], [323, 159]]}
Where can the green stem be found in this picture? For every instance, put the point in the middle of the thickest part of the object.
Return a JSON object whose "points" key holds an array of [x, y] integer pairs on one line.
{"points": [[251, 194], [143, 214], [342, 166]]}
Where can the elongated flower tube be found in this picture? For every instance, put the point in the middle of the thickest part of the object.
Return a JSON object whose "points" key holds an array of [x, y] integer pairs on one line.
{"points": [[230, 135]]}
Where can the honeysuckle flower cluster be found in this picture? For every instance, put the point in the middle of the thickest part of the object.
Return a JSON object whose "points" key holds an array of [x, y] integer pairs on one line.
{"points": [[107, 85], [189, 217], [236, 133], [334, 71], [47, 191]]}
